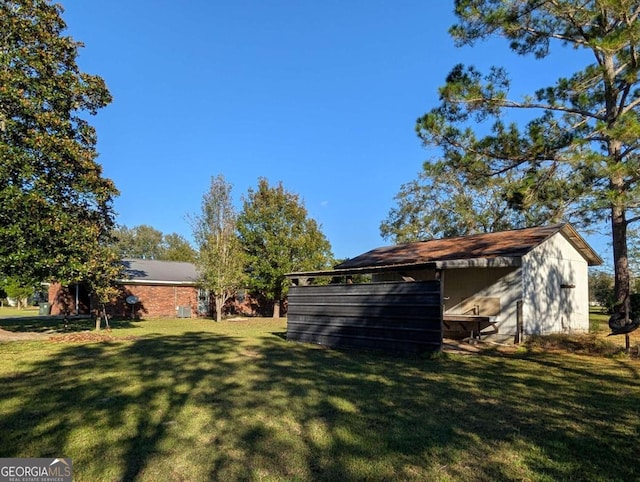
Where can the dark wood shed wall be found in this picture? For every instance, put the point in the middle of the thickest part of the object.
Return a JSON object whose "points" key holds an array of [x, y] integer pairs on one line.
{"points": [[392, 317]]}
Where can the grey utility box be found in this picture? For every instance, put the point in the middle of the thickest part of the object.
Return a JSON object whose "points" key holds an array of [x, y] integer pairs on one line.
{"points": [[184, 312]]}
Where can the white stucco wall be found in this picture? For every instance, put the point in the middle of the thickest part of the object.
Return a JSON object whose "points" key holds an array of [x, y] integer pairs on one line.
{"points": [[548, 307]]}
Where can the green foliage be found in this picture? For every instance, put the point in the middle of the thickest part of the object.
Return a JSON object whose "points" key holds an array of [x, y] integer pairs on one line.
{"points": [[102, 271], [601, 289], [177, 248], [146, 242], [140, 242], [446, 202], [15, 288], [220, 257], [279, 238], [55, 206], [577, 153]]}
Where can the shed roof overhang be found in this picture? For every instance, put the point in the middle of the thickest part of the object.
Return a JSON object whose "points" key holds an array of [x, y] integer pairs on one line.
{"points": [[497, 262], [578, 242]]}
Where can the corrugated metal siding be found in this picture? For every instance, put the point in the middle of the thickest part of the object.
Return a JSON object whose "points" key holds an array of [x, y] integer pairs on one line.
{"points": [[392, 317]]}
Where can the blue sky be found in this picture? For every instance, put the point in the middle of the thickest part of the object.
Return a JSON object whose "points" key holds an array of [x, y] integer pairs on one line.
{"points": [[322, 96]]}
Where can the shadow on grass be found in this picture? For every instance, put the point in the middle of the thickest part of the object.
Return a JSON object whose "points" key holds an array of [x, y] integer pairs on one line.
{"points": [[205, 406], [280, 334], [56, 324]]}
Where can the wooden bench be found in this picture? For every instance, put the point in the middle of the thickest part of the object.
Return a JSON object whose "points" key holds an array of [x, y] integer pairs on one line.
{"points": [[472, 324]]}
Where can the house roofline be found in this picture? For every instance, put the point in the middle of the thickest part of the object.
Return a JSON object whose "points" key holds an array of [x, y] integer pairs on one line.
{"points": [[156, 282]]}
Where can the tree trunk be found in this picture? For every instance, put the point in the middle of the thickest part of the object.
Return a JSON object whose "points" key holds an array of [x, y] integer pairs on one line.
{"points": [[620, 260], [106, 318], [276, 309], [101, 314], [219, 305], [618, 191]]}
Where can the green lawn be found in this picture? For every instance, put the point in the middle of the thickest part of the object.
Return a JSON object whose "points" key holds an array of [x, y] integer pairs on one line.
{"points": [[18, 312], [197, 400]]}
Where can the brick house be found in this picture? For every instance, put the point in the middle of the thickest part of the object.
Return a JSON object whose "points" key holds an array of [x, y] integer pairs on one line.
{"points": [[149, 289]]}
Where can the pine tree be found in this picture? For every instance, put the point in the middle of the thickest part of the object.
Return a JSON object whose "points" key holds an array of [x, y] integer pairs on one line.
{"points": [[580, 149]]}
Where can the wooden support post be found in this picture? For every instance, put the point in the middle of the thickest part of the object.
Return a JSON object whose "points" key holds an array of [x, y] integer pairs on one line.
{"points": [[519, 323], [439, 276]]}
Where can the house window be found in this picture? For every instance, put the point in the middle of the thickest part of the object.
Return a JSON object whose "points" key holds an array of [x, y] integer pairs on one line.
{"points": [[204, 304], [240, 296]]}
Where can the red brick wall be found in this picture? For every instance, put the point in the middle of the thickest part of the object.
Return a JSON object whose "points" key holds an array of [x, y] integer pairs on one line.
{"points": [[155, 301], [63, 300]]}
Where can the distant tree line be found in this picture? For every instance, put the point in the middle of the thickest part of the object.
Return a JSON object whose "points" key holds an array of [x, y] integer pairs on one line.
{"points": [[146, 242], [601, 292]]}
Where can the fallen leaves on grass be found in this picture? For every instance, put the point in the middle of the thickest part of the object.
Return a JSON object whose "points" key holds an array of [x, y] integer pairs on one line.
{"points": [[584, 344], [89, 337]]}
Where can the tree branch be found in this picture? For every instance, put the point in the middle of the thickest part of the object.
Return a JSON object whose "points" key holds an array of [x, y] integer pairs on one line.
{"points": [[633, 220], [511, 104]]}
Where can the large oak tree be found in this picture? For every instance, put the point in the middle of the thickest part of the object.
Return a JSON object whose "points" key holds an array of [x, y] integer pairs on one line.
{"points": [[579, 144], [55, 205], [279, 237]]}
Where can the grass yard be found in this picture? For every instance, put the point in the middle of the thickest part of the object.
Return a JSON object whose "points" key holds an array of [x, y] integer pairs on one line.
{"points": [[12, 311], [197, 400]]}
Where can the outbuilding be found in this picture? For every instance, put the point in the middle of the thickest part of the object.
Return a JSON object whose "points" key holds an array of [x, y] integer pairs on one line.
{"points": [[501, 286]]}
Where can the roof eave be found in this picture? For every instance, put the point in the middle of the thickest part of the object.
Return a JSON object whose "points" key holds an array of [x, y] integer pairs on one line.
{"points": [[578, 242], [156, 282], [359, 270], [496, 262]]}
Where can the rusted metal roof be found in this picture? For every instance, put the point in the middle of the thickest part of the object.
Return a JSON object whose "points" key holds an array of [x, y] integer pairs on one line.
{"points": [[151, 271], [500, 245]]}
